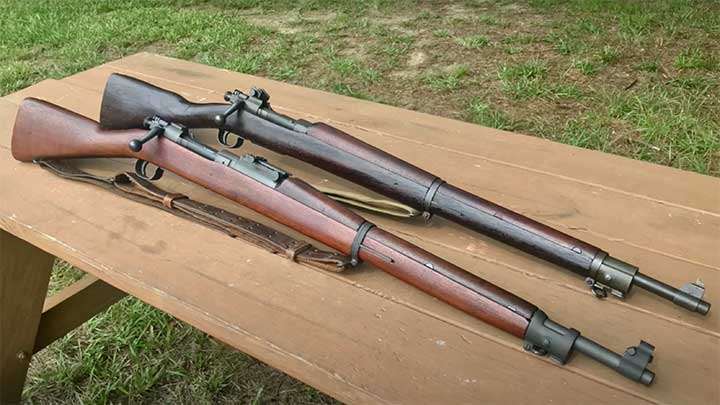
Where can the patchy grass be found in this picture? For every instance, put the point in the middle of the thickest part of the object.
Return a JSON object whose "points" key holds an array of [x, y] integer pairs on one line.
{"points": [[451, 79], [696, 59], [135, 353], [441, 33], [473, 41], [668, 128], [609, 55], [565, 44], [586, 66], [638, 79], [651, 66], [524, 80], [529, 80], [482, 113]]}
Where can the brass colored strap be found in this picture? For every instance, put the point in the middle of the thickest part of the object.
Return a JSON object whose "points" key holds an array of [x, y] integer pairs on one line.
{"points": [[169, 198], [377, 205], [132, 186]]}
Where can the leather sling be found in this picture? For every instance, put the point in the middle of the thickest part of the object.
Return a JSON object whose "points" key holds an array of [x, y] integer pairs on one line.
{"points": [[132, 186]]}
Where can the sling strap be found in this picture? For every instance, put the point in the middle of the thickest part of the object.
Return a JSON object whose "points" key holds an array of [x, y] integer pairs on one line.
{"points": [[133, 187]]}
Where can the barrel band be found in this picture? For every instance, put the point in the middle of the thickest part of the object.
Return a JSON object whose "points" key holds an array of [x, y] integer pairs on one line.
{"points": [[362, 231], [430, 195]]}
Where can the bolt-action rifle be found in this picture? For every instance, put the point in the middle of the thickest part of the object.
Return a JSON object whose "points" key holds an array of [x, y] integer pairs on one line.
{"points": [[128, 101], [46, 131]]}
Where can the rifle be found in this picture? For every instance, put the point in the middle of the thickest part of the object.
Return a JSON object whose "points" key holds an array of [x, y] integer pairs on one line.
{"points": [[46, 131], [128, 101]]}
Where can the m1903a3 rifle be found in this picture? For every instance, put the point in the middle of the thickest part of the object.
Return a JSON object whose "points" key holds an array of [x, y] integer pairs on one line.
{"points": [[46, 131], [128, 101]]}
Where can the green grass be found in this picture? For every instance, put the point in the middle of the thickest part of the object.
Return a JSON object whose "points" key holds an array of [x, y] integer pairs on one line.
{"points": [[451, 79], [609, 55], [669, 125], [638, 79], [441, 33], [565, 44], [524, 80], [135, 353], [586, 66], [696, 59], [529, 80], [484, 114], [651, 66], [473, 42]]}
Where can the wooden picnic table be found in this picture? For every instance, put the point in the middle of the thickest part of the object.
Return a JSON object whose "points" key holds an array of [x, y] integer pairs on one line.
{"points": [[363, 336]]}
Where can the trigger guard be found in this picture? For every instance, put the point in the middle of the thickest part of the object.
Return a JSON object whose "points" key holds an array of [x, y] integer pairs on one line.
{"points": [[141, 170], [223, 139]]}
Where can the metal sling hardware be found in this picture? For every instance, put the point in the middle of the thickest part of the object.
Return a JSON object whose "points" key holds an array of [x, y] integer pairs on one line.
{"points": [[362, 231], [429, 196]]}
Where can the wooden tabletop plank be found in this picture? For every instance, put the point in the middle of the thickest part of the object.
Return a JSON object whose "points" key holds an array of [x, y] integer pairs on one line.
{"points": [[619, 174], [616, 325], [672, 269], [359, 345], [559, 201]]}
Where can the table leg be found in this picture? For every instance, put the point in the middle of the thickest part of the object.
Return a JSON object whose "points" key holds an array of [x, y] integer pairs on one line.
{"points": [[24, 276]]}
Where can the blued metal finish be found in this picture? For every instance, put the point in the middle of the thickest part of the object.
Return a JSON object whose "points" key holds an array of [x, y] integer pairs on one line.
{"points": [[136, 144], [141, 167], [126, 101], [257, 103], [180, 135], [429, 196], [255, 167], [362, 231], [546, 337], [220, 122], [632, 364], [611, 275], [688, 301]]}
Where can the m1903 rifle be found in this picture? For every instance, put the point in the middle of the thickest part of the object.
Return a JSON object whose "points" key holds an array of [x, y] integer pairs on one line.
{"points": [[45, 131], [128, 101]]}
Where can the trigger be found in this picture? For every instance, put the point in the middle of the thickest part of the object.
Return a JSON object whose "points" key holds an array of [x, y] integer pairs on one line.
{"points": [[224, 138], [141, 170]]}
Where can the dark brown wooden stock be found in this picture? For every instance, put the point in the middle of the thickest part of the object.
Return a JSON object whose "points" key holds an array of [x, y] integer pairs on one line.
{"points": [[43, 130], [127, 101]]}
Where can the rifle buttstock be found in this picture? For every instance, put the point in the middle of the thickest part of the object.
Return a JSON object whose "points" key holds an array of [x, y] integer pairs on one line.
{"points": [[62, 134]]}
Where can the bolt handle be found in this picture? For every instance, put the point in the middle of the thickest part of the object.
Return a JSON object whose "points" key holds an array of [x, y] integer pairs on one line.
{"points": [[136, 145], [221, 118]]}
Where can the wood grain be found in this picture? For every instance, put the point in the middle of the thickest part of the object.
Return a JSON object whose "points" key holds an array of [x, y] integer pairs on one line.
{"points": [[574, 216], [364, 337], [72, 306], [46, 131], [24, 276], [359, 344], [616, 173]]}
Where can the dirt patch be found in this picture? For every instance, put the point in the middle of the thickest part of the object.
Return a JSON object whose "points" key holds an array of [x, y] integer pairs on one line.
{"points": [[417, 58], [290, 22]]}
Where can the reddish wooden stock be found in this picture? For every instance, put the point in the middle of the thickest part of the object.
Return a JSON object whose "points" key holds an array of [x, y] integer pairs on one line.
{"points": [[38, 125], [43, 130]]}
